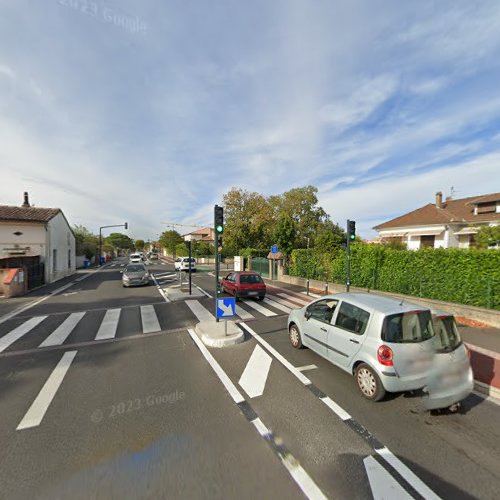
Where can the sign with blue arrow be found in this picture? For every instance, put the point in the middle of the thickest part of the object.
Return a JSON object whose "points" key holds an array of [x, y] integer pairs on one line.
{"points": [[226, 307], [274, 249]]}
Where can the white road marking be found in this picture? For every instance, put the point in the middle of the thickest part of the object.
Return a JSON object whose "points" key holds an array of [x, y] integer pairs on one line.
{"points": [[226, 381], [292, 297], [61, 333], [300, 476], [149, 319], [203, 291], [340, 412], [410, 477], [18, 332], [263, 310], [315, 295], [244, 315], [306, 368], [277, 305], [42, 402], [382, 484], [277, 355], [198, 310], [162, 292], [283, 302], [254, 376], [167, 274], [109, 324]]}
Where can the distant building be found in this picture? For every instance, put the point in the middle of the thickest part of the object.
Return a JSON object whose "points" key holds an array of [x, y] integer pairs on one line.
{"points": [[444, 224], [206, 235], [38, 239]]}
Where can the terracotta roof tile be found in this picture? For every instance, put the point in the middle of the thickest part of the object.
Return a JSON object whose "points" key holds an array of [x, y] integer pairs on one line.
{"points": [[27, 214]]}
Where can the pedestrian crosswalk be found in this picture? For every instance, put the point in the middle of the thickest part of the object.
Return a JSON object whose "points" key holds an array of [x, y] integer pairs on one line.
{"points": [[62, 329]]}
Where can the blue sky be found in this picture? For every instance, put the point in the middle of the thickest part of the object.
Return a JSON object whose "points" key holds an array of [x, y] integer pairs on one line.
{"points": [[148, 111]]}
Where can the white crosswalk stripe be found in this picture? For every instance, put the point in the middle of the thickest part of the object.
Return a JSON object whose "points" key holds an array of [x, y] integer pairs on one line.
{"points": [[61, 333], [18, 332], [198, 310], [244, 315], [313, 295], [293, 297], [263, 310], [150, 321], [109, 324], [277, 305], [283, 302]]}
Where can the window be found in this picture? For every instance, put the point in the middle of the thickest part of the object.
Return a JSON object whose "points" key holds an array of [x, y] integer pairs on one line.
{"points": [[352, 318], [447, 337], [250, 279], [322, 310], [411, 326], [54, 260], [427, 241]]}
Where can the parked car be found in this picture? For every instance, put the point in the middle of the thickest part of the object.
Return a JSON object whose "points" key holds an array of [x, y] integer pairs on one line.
{"points": [[182, 264], [135, 275], [387, 344], [153, 256], [135, 258], [244, 284], [452, 379]]}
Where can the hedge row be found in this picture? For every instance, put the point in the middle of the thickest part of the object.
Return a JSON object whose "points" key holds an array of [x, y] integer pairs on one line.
{"points": [[465, 276]]}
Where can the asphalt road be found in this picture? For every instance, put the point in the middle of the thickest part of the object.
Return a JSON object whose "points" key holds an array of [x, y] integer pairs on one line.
{"points": [[147, 413]]}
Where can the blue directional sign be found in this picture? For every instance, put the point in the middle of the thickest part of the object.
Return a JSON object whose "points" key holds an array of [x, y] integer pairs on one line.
{"points": [[274, 249], [226, 307]]}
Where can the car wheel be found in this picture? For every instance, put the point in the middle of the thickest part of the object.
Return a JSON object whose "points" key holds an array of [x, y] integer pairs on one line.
{"points": [[294, 335], [369, 383], [261, 297]]}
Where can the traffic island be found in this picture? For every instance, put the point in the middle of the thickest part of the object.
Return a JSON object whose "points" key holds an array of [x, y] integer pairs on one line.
{"points": [[213, 334], [174, 294]]}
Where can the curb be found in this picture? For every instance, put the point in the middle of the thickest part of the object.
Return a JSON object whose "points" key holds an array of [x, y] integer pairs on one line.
{"points": [[214, 338]]}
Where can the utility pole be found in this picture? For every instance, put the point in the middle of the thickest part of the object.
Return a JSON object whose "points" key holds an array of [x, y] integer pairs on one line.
{"points": [[351, 235], [125, 225]]}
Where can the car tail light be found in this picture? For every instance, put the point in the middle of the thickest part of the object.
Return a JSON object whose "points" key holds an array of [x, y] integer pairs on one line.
{"points": [[385, 355]]}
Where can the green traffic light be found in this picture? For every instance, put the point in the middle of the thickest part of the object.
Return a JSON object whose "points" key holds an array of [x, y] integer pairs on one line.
{"points": [[219, 229], [353, 236]]}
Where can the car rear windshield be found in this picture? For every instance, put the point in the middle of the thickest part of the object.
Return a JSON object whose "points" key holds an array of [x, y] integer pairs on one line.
{"points": [[447, 336], [249, 279], [134, 269], [408, 327]]}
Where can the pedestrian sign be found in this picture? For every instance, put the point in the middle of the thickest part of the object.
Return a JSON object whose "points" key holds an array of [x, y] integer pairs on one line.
{"points": [[274, 249], [226, 307]]}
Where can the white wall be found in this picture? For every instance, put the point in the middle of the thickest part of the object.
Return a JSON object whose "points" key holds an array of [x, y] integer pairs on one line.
{"points": [[61, 239], [441, 240], [453, 241], [413, 242], [33, 236]]}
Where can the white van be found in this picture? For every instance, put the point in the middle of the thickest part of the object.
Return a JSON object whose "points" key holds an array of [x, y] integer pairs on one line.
{"points": [[182, 264]]}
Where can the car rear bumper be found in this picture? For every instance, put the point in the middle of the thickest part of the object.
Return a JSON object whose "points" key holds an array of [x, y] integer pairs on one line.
{"points": [[250, 293], [394, 383], [445, 397]]}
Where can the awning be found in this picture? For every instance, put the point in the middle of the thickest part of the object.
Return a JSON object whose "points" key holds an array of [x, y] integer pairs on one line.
{"points": [[467, 230], [392, 235], [432, 231]]}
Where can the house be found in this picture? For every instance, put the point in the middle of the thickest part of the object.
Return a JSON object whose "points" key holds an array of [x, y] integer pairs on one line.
{"points": [[206, 235], [40, 240], [443, 224]]}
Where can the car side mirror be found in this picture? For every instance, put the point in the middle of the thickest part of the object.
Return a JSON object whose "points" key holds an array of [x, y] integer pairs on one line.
{"points": [[121, 272], [307, 314]]}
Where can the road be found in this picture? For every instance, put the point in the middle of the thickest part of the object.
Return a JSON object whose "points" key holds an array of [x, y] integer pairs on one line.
{"points": [[106, 393]]}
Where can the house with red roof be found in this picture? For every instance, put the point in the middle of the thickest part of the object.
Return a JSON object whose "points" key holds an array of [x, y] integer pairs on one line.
{"points": [[443, 224]]}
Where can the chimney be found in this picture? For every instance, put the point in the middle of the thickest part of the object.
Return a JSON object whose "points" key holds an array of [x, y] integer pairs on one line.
{"points": [[26, 200], [439, 199]]}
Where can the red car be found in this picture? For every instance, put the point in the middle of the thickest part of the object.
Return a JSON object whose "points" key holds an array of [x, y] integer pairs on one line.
{"points": [[244, 284]]}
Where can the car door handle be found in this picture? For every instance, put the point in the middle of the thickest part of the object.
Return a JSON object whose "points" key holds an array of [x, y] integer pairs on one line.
{"points": [[324, 329], [353, 341]]}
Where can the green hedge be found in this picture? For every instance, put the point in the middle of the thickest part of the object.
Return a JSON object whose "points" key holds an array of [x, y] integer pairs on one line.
{"points": [[465, 276]]}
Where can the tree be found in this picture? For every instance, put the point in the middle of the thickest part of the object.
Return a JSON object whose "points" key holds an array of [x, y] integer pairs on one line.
{"points": [[329, 242], [86, 242], [139, 245], [120, 241], [285, 235], [169, 240], [488, 236]]}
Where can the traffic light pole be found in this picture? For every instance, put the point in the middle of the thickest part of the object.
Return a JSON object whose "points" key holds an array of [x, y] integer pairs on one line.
{"points": [[100, 239], [190, 253], [348, 277], [216, 252]]}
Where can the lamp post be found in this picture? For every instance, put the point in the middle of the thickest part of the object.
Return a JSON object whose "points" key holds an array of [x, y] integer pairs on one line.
{"points": [[125, 225]]}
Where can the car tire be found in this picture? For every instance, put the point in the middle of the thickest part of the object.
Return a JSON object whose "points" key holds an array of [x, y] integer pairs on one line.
{"points": [[261, 297], [294, 336], [369, 383]]}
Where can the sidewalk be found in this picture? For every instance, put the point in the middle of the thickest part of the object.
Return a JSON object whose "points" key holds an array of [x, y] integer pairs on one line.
{"points": [[483, 345]]}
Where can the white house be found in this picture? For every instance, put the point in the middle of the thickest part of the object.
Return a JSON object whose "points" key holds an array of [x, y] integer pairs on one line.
{"points": [[448, 224], [206, 235], [39, 239]]}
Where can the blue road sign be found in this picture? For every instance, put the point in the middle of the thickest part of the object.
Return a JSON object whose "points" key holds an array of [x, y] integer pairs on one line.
{"points": [[226, 307], [274, 249]]}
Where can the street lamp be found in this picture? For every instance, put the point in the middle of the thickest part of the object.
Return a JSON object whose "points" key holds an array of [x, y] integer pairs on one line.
{"points": [[125, 225]]}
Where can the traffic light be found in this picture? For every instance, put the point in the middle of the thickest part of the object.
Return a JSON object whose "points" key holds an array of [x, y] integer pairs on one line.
{"points": [[126, 225], [219, 219], [188, 244], [220, 244], [351, 230]]}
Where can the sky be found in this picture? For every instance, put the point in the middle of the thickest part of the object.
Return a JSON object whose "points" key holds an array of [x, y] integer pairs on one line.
{"points": [[149, 111]]}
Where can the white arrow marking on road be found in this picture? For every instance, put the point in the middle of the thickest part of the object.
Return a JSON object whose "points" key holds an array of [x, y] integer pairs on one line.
{"points": [[383, 485], [254, 377], [226, 310]]}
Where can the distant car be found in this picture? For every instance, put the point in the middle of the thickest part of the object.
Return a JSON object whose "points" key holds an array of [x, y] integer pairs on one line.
{"points": [[386, 343], [182, 264], [135, 258], [244, 284], [452, 379], [153, 256], [135, 275]]}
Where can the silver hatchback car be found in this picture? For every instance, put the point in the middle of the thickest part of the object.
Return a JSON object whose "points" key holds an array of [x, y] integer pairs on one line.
{"points": [[135, 275], [387, 344]]}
